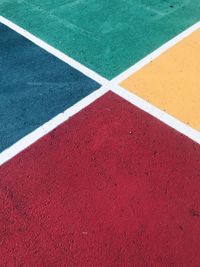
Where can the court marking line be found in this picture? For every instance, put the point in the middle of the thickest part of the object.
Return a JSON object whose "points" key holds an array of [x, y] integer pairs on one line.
{"points": [[161, 115], [111, 85], [70, 61], [156, 53], [47, 127]]}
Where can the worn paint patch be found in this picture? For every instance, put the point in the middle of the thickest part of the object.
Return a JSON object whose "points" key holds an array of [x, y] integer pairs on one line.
{"points": [[172, 81], [112, 186], [34, 86], [105, 36]]}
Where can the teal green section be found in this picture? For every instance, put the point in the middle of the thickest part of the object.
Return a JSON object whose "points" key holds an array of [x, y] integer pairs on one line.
{"points": [[108, 36]]}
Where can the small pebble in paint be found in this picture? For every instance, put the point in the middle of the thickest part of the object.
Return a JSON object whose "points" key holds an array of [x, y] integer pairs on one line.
{"points": [[84, 233]]}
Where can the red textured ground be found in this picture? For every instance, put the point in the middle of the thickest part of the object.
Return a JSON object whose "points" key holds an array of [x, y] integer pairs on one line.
{"points": [[110, 187]]}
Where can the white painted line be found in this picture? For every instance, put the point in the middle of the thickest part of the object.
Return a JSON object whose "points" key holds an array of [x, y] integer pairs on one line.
{"points": [[124, 75], [107, 86], [157, 113], [49, 126], [75, 64]]}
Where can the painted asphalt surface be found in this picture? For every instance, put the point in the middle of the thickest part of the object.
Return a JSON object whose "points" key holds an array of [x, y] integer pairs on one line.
{"points": [[175, 87], [106, 36], [35, 86], [112, 185]]}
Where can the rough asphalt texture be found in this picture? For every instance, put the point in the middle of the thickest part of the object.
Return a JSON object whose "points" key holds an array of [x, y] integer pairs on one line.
{"points": [[107, 36], [34, 86], [113, 186]]}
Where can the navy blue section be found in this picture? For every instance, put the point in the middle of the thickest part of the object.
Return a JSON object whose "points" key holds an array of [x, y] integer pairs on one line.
{"points": [[34, 86]]}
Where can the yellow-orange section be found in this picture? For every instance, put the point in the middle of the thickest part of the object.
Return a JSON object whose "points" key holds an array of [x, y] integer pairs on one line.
{"points": [[172, 81]]}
